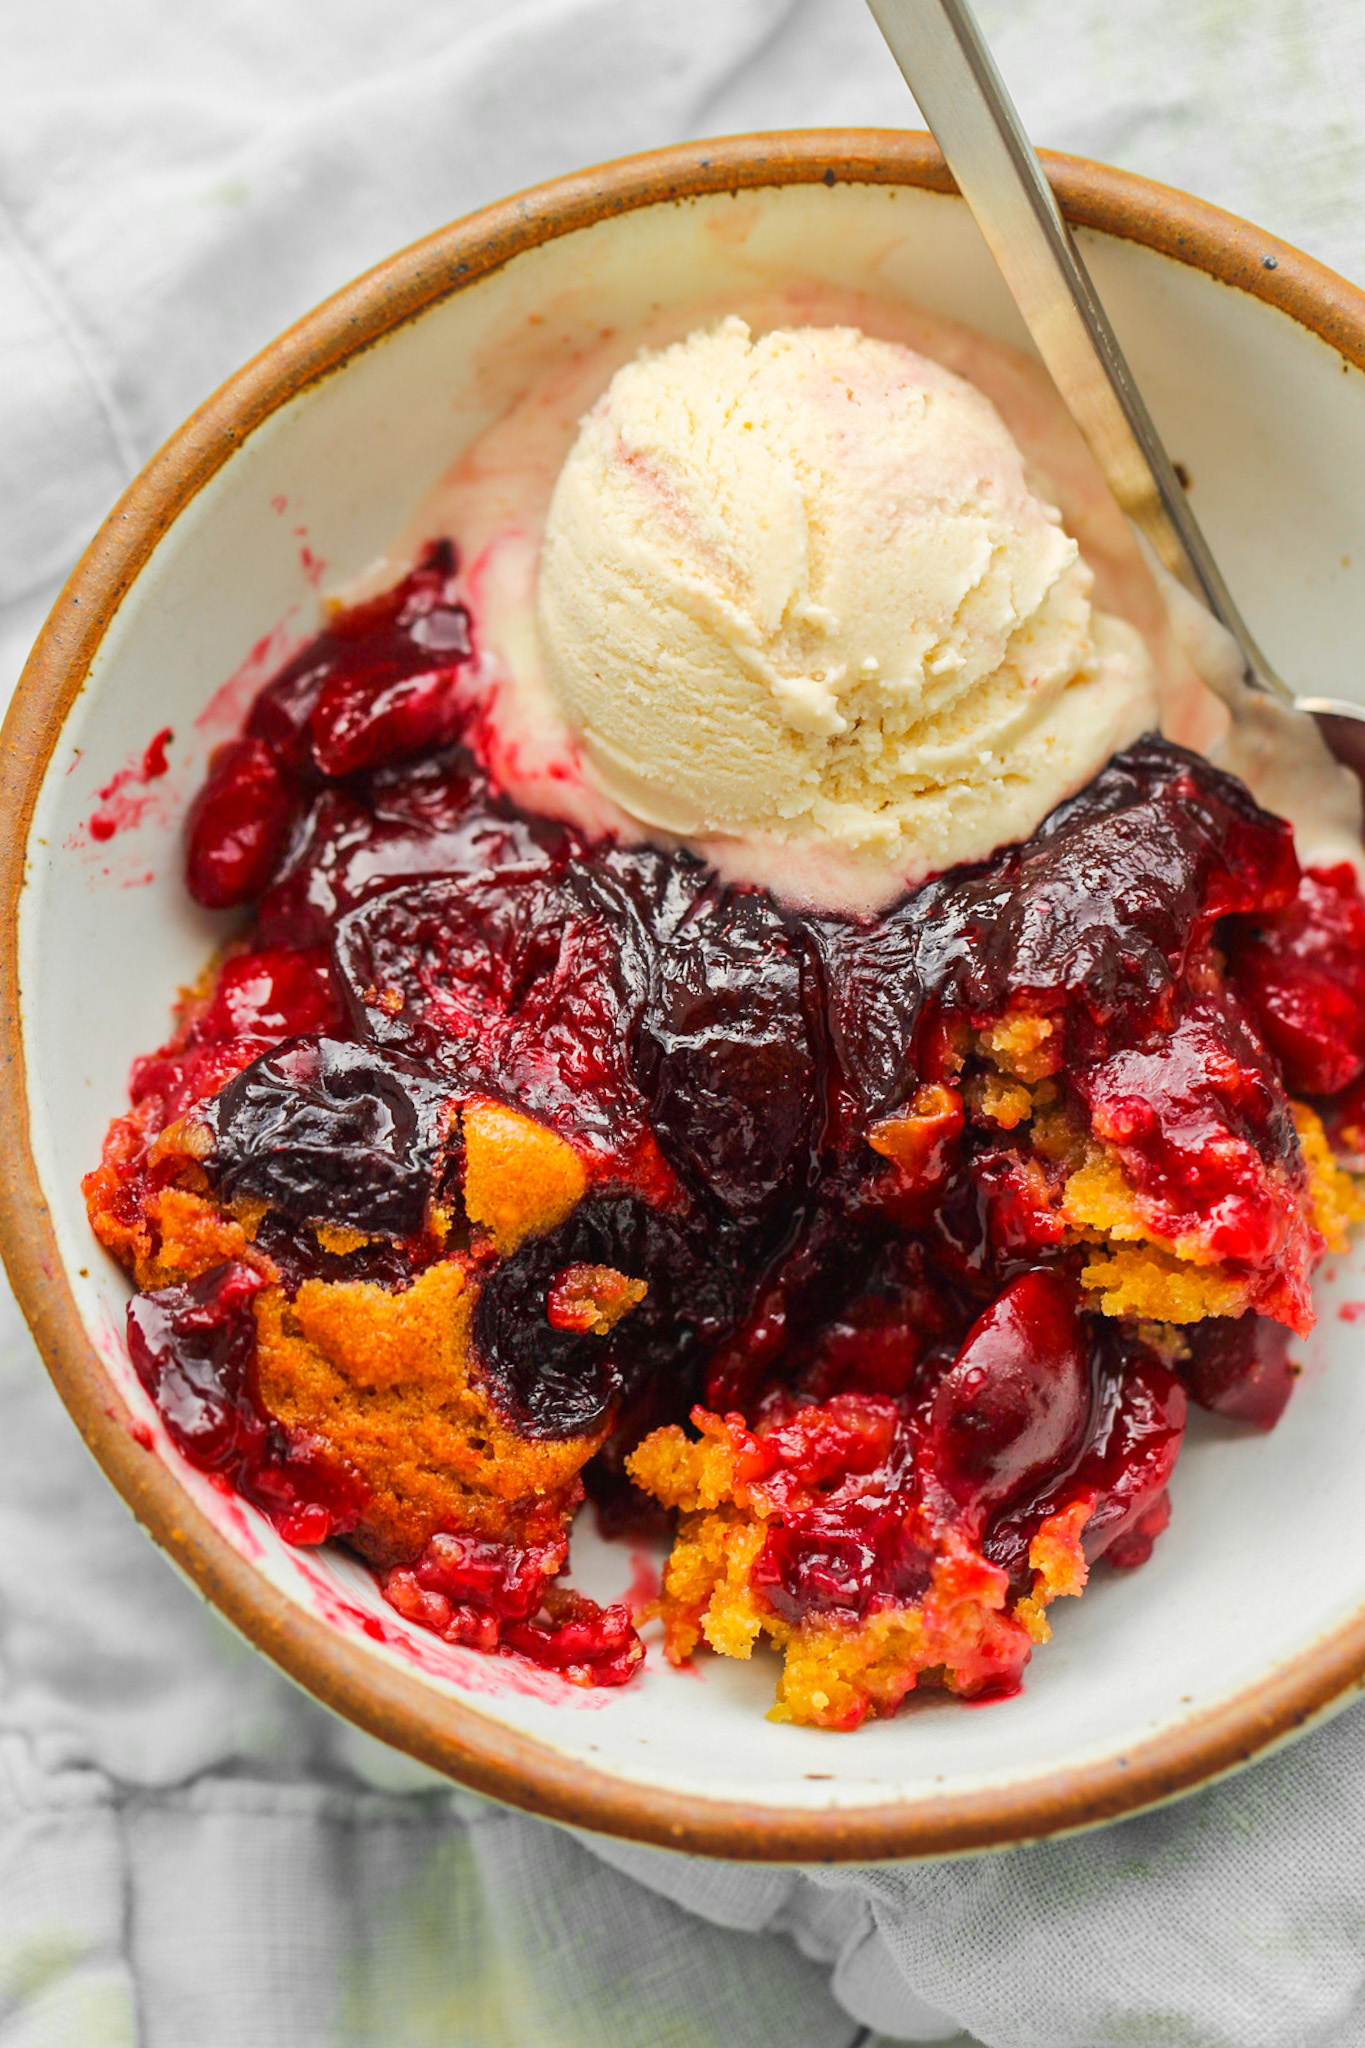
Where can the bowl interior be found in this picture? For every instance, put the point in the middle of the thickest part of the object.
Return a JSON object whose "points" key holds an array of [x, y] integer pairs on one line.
{"points": [[1270, 423]]}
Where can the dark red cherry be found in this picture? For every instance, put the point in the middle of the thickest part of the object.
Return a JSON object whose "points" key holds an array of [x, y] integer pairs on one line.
{"points": [[1134, 1439], [193, 1346], [375, 684], [1137, 1437], [238, 826], [590, 1644], [1240, 1366], [1014, 1405], [476, 1572], [280, 715], [275, 993], [1304, 974], [360, 721]]}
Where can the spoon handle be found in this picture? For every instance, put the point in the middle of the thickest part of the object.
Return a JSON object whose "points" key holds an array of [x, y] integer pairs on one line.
{"points": [[950, 71]]}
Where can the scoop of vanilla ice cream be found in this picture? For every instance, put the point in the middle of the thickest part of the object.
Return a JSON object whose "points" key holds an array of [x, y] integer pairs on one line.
{"points": [[799, 589]]}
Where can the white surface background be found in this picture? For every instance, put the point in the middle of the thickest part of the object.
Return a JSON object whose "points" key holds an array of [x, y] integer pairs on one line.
{"points": [[191, 1853]]}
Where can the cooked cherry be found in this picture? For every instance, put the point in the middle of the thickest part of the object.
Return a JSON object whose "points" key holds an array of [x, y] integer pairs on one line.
{"points": [[275, 993], [281, 717], [473, 1572], [436, 817], [1133, 1440], [1239, 1366], [1203, 1127], [238, 826], [842, 1554], [193, 1346], [843, 1480], [1113, 895], [363, 721], [179, 1078], [1015, 1404], [729, 1069], [1304, 973], [325, 1131], [194, 1349], [562, 1382], [377, 683], [590, 1644], [499, 1595], [1132, 1451]]}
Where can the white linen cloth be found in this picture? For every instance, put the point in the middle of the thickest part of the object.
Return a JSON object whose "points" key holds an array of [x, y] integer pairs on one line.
{"points": [[191, 1852]]}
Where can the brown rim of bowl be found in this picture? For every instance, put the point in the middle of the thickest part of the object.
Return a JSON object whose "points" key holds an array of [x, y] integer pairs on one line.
{"points": [[455, 1739]]}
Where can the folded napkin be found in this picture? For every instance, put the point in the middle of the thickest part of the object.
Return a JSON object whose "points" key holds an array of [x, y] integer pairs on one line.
{"points": [[192, 1852]]}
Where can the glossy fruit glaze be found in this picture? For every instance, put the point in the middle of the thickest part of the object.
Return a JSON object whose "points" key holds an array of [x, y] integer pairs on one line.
{"points": [[862, 1277]]}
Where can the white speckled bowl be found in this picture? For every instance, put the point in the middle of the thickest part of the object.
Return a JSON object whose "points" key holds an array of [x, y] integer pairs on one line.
{"points": [[1250, 1618]]}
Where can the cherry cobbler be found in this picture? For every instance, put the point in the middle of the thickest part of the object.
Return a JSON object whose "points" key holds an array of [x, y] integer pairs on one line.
{"points": [[491, 1166]]}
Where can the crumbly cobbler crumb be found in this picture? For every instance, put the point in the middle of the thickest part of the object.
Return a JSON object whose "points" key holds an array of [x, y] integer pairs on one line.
{"points": [[520, 1179], [388, 1380], [1024, 1044]]}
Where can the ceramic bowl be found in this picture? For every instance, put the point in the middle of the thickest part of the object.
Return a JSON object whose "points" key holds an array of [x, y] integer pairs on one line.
{"points": [[1249, 1620]]}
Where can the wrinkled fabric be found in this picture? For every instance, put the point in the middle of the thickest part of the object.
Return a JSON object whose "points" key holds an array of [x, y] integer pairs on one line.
{"points": [[190, 1850]]}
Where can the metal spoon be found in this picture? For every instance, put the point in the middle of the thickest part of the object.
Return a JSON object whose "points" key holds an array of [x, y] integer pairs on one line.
{"points": [[949, 69]]}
